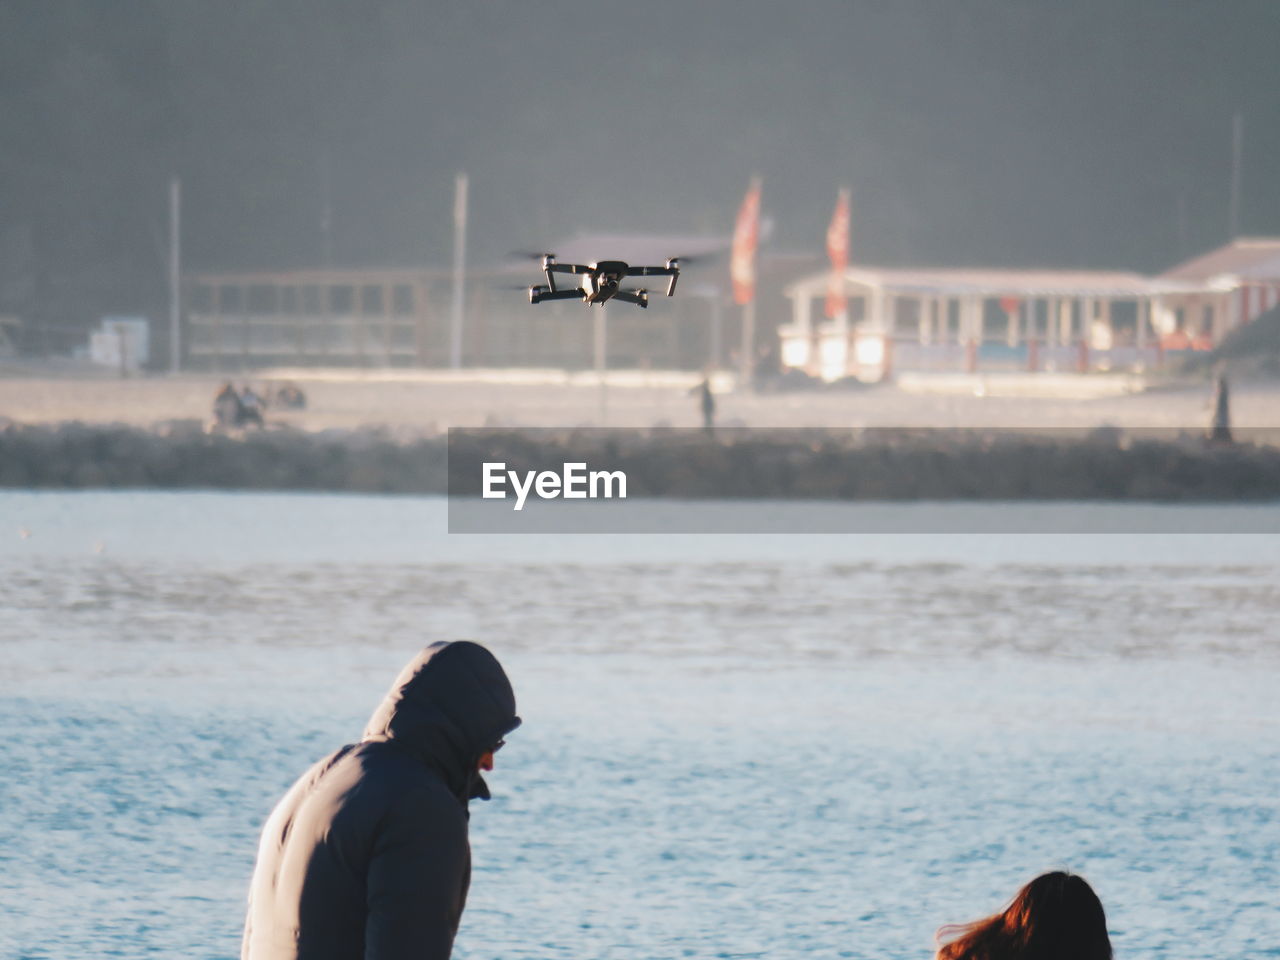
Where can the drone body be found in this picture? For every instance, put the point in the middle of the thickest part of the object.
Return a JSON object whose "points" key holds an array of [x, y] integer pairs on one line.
{"points": [[601, 281]]}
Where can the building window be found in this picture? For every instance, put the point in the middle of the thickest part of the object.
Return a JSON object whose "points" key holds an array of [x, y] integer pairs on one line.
{"points": [[402, 299], [262, 299], [311, 300], [341, 299], [370, 300]]}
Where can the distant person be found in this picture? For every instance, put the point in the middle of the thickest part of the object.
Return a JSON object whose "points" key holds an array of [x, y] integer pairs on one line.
{"points": [[768, 361], [707, 402], [1220, 425], [1056, 916], [291, 397], [367, 855], [227, 408], [251, 408]]}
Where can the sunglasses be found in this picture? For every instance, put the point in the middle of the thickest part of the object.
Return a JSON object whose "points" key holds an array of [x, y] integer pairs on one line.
{"points": [[498, 746]]}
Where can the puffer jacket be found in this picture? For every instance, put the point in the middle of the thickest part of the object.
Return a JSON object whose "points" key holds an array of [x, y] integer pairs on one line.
{"points": [[367, 855]]}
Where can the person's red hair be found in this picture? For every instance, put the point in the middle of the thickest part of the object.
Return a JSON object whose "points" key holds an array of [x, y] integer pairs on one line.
{"points": [[1056, 916]]}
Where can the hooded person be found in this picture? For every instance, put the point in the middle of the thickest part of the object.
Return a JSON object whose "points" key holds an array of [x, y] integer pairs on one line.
{"points": [[367, 855]]}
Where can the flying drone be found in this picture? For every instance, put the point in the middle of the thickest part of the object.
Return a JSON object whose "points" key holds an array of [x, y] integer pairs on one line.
{"points": [[599, 282]]}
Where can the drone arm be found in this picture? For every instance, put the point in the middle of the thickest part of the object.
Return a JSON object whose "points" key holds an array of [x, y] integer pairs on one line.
{"points": [[651, 271], [571, 268], [538, 294], [672, 270]]}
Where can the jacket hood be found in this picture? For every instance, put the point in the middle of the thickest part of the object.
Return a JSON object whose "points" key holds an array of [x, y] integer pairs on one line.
{"points": [[449, 705]]}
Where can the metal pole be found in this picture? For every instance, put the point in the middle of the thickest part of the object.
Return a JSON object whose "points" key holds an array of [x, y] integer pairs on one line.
{"points": [[1184, 230], [175, 275], [1237, 155], [459, 269], [747, 362], [600, 334], [326, 210], [716, 318]]}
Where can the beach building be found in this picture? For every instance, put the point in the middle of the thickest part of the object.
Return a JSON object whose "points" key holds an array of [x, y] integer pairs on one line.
{"points": [[971, 320], [402, 317], [238, 321], [959, 320], [1232, 285]]}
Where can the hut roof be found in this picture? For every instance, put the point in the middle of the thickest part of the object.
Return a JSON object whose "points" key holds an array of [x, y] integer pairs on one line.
{"points": [[1242, 257], [949, 281]]}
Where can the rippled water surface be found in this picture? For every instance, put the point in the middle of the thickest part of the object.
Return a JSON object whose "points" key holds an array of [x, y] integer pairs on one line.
{"points": [[733, 747]]}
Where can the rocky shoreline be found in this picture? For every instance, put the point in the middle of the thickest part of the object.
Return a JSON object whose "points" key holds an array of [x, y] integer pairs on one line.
{"points": [[889, 464]]}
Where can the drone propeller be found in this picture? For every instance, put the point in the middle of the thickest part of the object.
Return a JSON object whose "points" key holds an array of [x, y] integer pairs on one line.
{"points": [[697, 260], [529, 255]]}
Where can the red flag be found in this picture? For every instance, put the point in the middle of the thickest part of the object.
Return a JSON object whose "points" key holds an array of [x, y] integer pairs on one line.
{"points": [[838, 251], [746, 234]]}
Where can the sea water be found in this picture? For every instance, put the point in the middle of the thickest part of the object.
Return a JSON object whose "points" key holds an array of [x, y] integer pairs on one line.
{"points": [[733, 746]]}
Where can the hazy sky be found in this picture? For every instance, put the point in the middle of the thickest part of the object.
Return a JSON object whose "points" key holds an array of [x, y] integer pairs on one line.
{"points": [[1091, 133]]}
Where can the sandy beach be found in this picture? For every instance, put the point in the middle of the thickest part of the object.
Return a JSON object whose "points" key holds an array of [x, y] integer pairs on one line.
{"points": [[428, 402]]}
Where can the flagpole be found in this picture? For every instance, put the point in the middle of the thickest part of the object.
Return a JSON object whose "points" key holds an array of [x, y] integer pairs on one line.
{"points": [[1237, 155], [742, 269], [716, 333], [175, 275], [836, 308], [459, 269]]}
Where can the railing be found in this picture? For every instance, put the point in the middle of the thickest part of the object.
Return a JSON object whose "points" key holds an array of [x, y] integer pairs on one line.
{"points": [[1029, 356], [275, 337], [871, 357]]}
